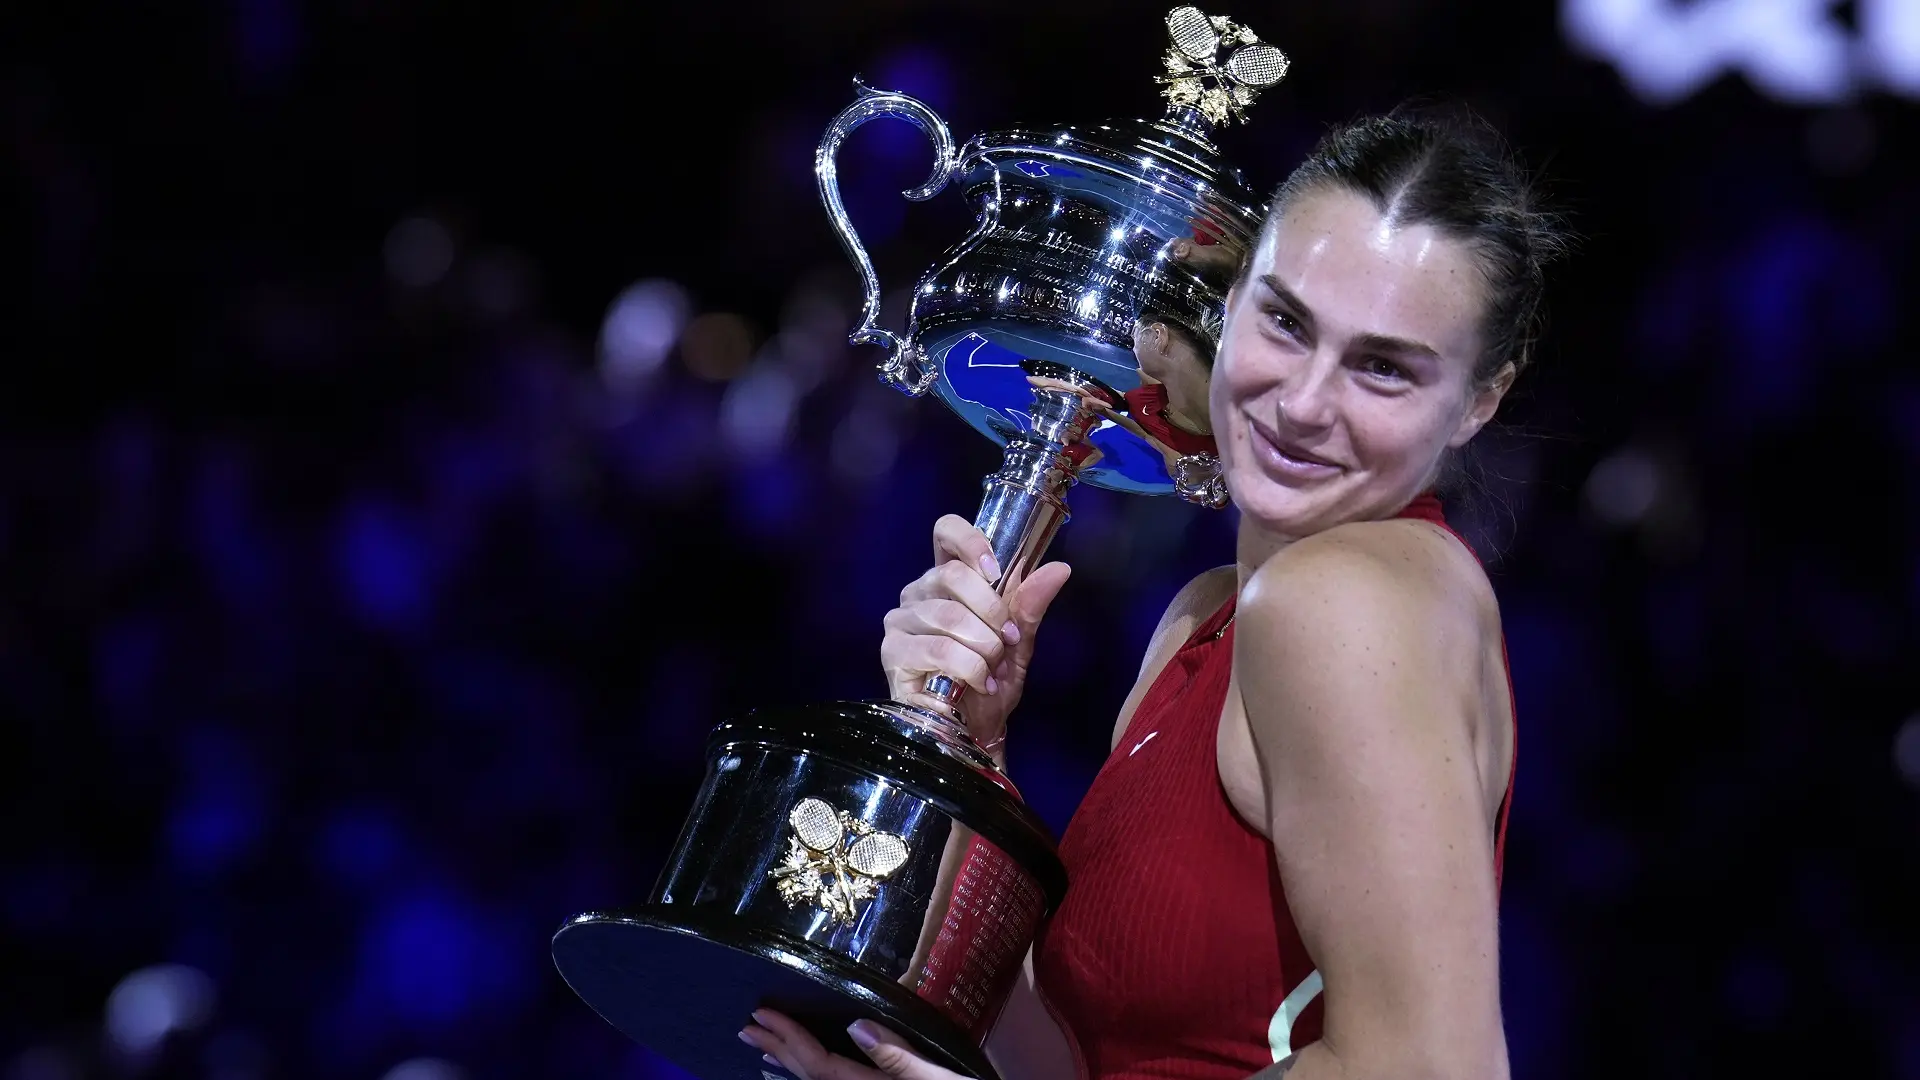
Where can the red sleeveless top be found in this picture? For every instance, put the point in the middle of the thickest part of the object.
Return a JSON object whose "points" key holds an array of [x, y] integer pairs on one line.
{"points": [[1174, 956], [1147, 404]]}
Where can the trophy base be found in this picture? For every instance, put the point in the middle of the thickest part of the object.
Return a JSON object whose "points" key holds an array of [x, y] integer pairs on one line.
{"points": [[683, 983]]}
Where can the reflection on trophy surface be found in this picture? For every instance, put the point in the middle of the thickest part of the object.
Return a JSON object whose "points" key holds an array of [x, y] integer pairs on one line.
{"points": [[1167, 411], [868, 860]]}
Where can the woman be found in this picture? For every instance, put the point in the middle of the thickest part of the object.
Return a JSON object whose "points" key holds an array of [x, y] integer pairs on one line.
{"points": [[1167, 412], [1290, 861]]}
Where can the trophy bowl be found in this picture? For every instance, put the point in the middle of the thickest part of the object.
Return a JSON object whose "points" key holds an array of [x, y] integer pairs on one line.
{"points": [[869, 860]]}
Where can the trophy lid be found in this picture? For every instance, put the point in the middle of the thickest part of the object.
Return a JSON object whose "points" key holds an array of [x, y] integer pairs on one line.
{"points": [[1215, 69]]}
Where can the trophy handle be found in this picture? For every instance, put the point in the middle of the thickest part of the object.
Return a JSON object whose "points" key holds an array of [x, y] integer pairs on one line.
{"points": [[905, 367]]}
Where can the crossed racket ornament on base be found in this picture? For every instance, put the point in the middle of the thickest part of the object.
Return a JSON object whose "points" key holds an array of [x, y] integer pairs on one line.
{"points": [[868, 860], [835, 860]]}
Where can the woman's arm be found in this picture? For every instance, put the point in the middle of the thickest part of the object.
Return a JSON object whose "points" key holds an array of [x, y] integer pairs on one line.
{"points": [[1358, 659], [1027, 1043]]}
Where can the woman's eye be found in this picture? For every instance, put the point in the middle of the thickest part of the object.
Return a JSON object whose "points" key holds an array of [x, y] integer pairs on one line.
{"points": [[1284, 322], [1381, 367]]}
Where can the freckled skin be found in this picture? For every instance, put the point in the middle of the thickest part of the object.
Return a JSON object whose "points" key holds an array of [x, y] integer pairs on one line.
{"points": [[1355, 275]]}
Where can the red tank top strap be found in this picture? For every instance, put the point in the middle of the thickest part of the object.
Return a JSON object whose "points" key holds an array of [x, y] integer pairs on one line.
{"points": [[1214, 623], [1427, 507]]}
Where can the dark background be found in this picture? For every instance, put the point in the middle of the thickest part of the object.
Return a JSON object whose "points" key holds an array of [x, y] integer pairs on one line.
{"points": [[423, 421]]}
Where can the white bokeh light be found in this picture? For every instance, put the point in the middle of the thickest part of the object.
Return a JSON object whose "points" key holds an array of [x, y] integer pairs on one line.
{"points": [[156, 1002], [1906, 751], [1623, 488], [642, 325], [419, 252], [425, 1068], [1890, 42], [756, 413]]}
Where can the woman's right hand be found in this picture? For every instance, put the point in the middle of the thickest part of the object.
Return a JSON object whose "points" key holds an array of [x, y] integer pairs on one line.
{"points": [[951, 621]]}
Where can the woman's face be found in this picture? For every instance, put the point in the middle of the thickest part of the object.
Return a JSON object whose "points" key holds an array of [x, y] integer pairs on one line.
{"points": [[1346, 366], [1168, 358]]}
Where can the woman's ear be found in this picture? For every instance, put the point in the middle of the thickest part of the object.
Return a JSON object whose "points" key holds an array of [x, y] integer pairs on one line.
{"points": [[1486, 402], [1158, 334]]}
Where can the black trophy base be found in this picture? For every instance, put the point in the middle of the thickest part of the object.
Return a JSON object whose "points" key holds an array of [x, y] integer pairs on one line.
{"points": [[683, 982]]}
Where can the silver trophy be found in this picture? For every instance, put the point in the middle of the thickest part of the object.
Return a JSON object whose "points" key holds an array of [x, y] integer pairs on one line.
{"points": [[867, 859]]}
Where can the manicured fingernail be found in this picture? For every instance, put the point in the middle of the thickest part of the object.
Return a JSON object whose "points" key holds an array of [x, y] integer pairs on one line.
{"points": [[771, 1060], [759, 1017], [863, 1035], [1011, 633], [992, 686], [990, 566], [748, 1039]]}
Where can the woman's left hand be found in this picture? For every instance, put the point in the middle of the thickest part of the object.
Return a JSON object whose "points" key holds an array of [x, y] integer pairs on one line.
{"points": [[795, 1048]]}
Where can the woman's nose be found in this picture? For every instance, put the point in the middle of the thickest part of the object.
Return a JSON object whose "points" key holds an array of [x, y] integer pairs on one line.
{"points": [[1306, 396]]}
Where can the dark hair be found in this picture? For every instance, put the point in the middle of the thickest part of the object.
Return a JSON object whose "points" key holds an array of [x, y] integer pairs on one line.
{"points": [[1205, 339], [1454, 172]]}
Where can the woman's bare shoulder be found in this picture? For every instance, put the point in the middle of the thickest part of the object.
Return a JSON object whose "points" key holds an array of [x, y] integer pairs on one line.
{"points": [[1400, 592], [1416, 558]]}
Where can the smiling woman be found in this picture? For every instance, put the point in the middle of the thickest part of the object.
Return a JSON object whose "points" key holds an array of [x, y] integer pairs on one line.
{"points": [[1290, 861], [1396, 293]]}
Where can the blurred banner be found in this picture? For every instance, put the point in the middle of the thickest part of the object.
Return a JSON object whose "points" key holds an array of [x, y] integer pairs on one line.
{"points": [[1803, 52]]}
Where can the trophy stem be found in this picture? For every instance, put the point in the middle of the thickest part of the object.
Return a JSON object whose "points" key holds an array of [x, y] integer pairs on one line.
{"points": [[1025, 501]]}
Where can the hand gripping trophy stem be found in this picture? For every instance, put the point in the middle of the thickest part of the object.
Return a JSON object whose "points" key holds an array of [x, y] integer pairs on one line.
{"points": [[1024, 503]]}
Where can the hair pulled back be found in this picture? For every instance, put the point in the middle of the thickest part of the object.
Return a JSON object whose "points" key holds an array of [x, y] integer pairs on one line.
{"points": [[1453, 172]]}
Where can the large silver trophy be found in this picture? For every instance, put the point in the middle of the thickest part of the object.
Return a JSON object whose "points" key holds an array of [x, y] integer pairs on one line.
{"points": [[867, 859]]}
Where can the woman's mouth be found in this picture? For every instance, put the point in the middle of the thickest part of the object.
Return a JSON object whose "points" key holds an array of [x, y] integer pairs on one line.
{"points": [[1288, 460]]}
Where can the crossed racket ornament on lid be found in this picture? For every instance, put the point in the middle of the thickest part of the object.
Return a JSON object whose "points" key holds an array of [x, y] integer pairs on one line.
{"points": [[834, 860], [1251, 65]]}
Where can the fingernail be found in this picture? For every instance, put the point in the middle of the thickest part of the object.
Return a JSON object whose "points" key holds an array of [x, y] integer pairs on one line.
{"points": [[1011, 633], [990, 566], [759, 1017], [748, 1039], [771, 1060], [992, 687], [862, 1034]]}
